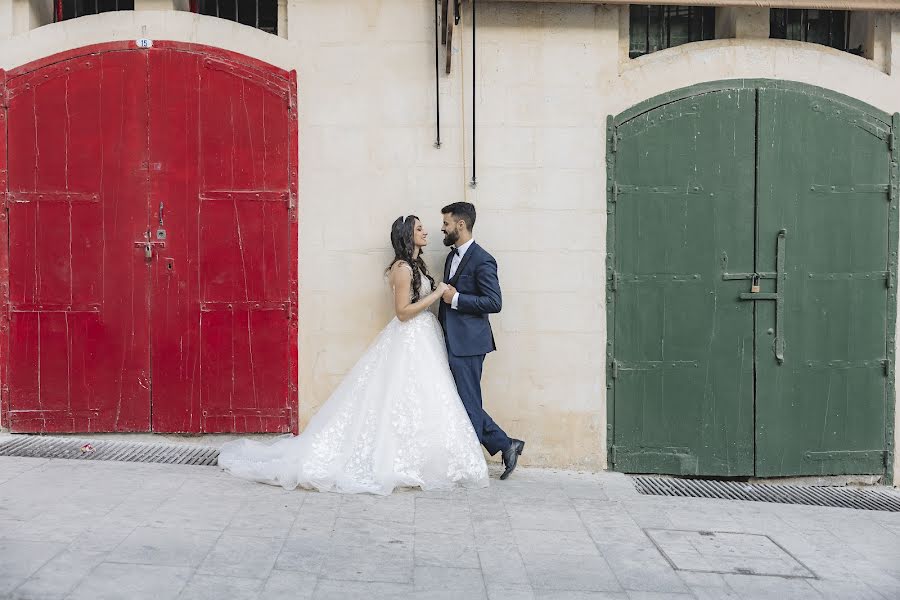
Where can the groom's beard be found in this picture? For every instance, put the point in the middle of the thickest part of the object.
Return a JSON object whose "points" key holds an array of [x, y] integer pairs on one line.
{"points": [[451, 238]]}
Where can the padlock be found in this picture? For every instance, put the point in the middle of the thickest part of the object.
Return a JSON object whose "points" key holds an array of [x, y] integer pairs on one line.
{"points": [[754, 285]]}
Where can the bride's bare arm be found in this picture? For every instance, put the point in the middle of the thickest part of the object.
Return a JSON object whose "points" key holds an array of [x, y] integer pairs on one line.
{"points": [[401, 279]]}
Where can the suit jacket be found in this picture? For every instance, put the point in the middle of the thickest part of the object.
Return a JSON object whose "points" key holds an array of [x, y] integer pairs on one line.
{"points": [[467, 329]]}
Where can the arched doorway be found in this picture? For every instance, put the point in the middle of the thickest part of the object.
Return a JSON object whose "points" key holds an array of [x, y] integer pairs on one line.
{"points": [[752, 249], [152, 238]]}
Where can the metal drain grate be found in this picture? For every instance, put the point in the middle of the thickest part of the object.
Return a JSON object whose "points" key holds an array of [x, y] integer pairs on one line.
{"points": [[39, 446], [839, 497]]}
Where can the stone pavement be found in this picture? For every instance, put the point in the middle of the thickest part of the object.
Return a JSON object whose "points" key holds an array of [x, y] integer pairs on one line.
{"points": [[98, 530]]}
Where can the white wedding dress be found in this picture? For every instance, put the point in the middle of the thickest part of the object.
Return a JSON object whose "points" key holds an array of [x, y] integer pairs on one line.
{"points": [[396, 420]]}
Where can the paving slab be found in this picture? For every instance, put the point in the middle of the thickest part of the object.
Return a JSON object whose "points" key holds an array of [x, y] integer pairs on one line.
{"points": [[90, 530]]}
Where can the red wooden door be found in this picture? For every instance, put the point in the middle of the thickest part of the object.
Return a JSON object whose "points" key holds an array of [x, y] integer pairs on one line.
{"points": [[224, 317], [78, 307], [187, 149]]}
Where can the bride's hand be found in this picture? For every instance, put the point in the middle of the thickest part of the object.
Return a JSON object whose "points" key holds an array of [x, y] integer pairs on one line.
{"points": [[440, 289]]}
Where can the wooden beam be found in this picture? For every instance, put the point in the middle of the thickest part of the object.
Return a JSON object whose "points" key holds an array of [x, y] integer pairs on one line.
{"points": [[449, 49], [876, 5], [449, 23]]}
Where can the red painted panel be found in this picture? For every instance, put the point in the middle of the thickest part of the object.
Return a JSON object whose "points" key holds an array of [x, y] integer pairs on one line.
{"points": [[245, 133], [246, 249], [79, 335], [245, 367], [175, 321], [4, 261]]}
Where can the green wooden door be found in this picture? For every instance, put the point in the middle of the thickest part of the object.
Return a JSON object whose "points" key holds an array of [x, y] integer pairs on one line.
{"points": [[786, 188], [683, 367], [821, 387]]}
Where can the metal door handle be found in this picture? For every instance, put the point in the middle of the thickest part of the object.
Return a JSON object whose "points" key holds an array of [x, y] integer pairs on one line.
{"points": [[779, 301]]}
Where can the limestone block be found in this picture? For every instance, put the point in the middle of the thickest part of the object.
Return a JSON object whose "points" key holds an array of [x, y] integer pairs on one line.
{"points": [[552, 106], [335, 105], [402, 20], [327, 21], [555, 312], [570, 147], [348, 63], [506, 146], [551, 270], [154, 5], [408, 103], [509, 62], [574, 231]]}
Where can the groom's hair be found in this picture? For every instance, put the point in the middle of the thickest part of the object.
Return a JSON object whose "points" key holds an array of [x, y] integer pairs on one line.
{"points": [[461, 210]]}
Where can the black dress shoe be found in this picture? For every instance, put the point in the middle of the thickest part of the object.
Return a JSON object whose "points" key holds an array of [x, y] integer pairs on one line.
{"points": [[511, 457]]}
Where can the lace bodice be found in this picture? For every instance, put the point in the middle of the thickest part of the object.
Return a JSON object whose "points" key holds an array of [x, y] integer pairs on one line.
{"points": [[424, 285]]}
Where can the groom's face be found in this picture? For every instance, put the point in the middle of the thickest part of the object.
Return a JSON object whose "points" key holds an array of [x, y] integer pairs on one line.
{"points": [[450, 229]]}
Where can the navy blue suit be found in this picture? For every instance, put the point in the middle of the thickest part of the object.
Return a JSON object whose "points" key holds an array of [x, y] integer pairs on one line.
{"points": [[469, 338]]}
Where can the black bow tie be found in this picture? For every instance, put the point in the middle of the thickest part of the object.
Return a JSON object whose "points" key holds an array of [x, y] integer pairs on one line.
{"points": [[455, 252]]}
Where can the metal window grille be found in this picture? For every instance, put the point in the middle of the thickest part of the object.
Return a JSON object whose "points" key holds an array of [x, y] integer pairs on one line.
{"points": [[827, 27], [657, 27], [71, 9], [262, 14]]}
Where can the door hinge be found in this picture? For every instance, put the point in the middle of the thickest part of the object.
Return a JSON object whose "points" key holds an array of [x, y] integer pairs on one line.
{"points": [[612, 454], [615, 142], [886, 363], [615, 192], [889, 279], [890, 141], [614, 281], [614, 366], [895, 181]]}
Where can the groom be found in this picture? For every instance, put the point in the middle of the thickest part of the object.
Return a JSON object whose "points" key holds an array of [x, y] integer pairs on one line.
{"points": [[474, 293]]}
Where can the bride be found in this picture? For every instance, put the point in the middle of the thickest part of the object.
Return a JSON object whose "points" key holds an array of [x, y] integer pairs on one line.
{"points": [[396, 420]]}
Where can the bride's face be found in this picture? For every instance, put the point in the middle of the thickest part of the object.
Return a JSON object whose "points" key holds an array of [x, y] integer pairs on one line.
{"points": [[420, 236]]}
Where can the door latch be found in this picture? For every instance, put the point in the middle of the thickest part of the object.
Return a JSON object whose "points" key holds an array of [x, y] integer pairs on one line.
{"points": [[777, 295], [147, 246], [161, 232]]}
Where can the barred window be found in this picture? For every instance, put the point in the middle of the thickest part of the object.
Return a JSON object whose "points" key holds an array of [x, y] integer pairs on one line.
{"points": [[657, 27], [827, 27], [71, 9], [262, 14]]}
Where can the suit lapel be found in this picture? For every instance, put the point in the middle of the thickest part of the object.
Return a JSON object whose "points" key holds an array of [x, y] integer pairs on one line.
{"points": [[463, 263], [447, 264]]}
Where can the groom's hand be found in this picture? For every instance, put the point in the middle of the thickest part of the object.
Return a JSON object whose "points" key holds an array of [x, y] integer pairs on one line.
{"points": [[448, 294]]}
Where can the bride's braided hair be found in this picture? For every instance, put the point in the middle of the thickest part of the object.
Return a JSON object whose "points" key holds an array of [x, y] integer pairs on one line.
{"points": [[402, 240]]}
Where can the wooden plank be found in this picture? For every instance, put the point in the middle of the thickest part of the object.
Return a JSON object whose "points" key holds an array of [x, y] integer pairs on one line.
{"points": [[246, 261], [835, 242], [4, 259], [683, 343], [448, 29], [876, 5], [449, 54], [73, 140]]}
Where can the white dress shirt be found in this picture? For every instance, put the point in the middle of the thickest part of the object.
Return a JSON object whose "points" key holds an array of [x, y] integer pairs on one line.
{"points": [[454, 265]]}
